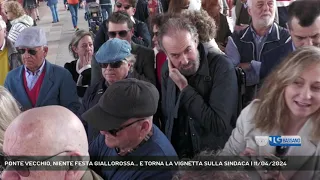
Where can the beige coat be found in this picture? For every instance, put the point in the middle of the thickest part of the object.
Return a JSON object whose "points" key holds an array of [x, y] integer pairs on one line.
{"points": [[244, 136]]}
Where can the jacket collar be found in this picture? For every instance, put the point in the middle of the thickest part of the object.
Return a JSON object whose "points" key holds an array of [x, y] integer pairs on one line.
{"points": [[134, 48], [204, 65], [274, 35]]}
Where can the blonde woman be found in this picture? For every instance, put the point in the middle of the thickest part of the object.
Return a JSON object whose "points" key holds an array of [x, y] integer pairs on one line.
{"points": [[9, 110], [288, 105], [17, 17], [81, 48]]}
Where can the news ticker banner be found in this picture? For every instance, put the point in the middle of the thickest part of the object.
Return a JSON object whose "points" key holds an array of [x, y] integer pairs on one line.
{"points": [[162, 163]]}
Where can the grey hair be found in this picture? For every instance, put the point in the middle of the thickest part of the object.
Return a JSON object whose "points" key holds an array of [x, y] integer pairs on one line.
{"points": [[75, 41], [9, 110], [131, 59], [249, 3], [175, 25]]}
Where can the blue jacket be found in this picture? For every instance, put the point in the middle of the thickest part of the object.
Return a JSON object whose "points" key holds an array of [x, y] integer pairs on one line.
{"points": [[272, 58], [244, 43], [51, 2], [58, 88]]}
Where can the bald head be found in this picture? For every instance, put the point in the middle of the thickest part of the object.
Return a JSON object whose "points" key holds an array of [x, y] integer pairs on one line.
{"points": [[45, 131]]}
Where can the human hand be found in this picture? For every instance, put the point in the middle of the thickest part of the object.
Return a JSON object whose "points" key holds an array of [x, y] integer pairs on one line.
{"points": [[221, 47], [87, 58], [177, 77], [245, 66]]}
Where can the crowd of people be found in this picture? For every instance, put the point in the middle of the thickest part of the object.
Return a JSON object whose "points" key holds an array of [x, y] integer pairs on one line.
{"points": [[160, 79]]}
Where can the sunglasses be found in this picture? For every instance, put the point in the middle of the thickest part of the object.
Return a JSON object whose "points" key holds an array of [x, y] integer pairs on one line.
{"points": [[112, 65], [24, 170], [113, 34], [30, 51], [119, 5], [114, 132]]}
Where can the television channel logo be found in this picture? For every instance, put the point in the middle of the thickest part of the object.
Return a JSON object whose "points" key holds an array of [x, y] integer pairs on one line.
{"points": [[284, 140], [261, 140]]}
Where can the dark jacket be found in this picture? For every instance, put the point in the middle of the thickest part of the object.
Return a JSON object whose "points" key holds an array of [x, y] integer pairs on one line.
{"points": [[272, 58], [223, 30], [144, 66], [91, 98], [209, 102], [84, 80], [57, 88], [142, 11], [13, 56], [140, 36], [246, 47]]}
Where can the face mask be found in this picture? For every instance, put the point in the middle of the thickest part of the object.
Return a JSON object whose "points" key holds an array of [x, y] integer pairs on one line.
{"points": [[195, 5]]}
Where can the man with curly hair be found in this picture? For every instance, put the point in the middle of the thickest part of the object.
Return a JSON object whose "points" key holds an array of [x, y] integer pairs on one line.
{"points": [[199, 90]]}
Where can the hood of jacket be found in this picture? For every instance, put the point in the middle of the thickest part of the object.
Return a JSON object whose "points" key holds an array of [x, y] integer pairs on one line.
{"points": [[25, 19]]}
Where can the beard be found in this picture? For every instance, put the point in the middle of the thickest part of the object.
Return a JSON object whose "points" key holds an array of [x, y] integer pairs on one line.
{"points": [[266, 21], [191, 68]]}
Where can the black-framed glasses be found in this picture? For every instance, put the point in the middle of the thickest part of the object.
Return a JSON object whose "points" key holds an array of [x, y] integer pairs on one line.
{"points": [[114, 132], [155, 34], [30, 51], [113, 34], [24, 170], [119, 5], [112, 64]]}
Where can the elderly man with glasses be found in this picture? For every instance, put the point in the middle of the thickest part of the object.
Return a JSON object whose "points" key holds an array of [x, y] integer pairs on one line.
{"points": [[46, 135], [124, 116], [38, 82], [116, 61]]}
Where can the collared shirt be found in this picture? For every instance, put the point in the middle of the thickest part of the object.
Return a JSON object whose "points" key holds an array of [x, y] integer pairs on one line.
{"points": [[252, 74], [33, 77], [259, 41], [148, 136], [3, 45], [293, 47], [132, 18]]}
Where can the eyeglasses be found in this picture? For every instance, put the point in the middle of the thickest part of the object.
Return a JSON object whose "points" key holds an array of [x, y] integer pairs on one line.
{"points": [[113, 34], [24, 170], [119, 5], [30, 51], [155, 34], [112, 64], [114, 132]]}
